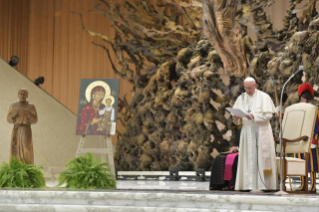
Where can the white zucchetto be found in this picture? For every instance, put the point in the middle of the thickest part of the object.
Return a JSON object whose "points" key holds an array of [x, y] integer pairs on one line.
{"points": [[250, 79]]}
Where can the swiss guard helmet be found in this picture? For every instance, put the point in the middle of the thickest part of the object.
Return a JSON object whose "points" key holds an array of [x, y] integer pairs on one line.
{"points": [[306, 91]]}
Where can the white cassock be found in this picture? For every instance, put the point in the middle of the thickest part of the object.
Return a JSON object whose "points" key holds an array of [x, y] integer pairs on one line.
{"points": [[262, 107]]}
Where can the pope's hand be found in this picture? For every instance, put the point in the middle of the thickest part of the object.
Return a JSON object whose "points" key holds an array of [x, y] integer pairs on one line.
{"points": [[235, 117], [250, 117]]}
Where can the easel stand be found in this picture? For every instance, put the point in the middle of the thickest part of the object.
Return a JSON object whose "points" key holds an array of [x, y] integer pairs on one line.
{"points": [[108, 150]]}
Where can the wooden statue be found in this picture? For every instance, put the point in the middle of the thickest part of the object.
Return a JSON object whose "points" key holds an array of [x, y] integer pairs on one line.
{"points": [[22, 114]]}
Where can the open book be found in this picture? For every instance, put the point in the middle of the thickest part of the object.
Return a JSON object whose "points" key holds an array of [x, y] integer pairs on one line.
{"points": [[237, 112]]}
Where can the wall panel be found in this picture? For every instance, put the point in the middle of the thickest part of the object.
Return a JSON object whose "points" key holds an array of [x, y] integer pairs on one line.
{"points": [[68, 54], [41, 42], [14, 25]]}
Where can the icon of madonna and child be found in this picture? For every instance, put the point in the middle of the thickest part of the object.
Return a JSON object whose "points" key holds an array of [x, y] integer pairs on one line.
{"points": [[97, 108]]}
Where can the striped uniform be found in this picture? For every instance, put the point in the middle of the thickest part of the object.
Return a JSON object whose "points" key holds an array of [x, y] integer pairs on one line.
{"points": [[313, 161]]}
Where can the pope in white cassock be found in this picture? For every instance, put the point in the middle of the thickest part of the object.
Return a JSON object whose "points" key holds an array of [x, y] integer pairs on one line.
{"points": [[261, 109]]}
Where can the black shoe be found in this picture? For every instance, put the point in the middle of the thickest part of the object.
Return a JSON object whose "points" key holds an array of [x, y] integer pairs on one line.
{"points": [[216, 187], [268, 191], [229, 188]]}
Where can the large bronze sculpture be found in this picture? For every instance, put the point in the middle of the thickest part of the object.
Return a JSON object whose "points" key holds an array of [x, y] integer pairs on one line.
{"points": [[22, 114], [183, 81]]}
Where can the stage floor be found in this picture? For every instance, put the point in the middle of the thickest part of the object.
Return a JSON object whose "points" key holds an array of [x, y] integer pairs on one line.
{"points": [[174, 185], [161, 184], [181, 185], [153, 196]]}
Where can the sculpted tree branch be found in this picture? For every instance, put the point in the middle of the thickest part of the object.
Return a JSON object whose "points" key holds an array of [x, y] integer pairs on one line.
{"points": [[183, 82], [307, 15], [221, 29]]}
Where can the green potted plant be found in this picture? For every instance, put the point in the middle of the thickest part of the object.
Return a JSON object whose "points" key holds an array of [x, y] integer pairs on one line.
{"points": [[17, 174], [86, 172]]}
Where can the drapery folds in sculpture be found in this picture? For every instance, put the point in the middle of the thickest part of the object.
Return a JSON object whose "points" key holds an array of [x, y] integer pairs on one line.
{"points": [[22, 114]]}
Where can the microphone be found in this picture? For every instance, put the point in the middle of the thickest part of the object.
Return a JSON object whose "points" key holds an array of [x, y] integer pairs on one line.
{"points": [[300, 68]]}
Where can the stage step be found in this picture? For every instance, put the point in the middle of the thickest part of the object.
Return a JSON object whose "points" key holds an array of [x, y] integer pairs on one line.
{"points": [[151, 200], [67, 208]]}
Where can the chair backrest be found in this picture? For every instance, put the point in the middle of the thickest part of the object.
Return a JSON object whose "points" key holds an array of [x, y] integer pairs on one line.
{"points": [[299, 120]]}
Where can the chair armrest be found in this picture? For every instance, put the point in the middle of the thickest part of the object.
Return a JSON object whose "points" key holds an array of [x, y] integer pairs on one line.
{"points": [[304, 138], [285, 141]]}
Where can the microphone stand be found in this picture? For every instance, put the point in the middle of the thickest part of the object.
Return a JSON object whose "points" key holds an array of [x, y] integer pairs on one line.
{"points": [[280, 121]]}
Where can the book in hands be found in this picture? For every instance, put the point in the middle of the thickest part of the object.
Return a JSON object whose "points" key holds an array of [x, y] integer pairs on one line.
{"points": [[237, 112]]}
